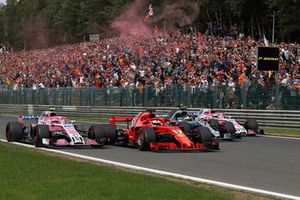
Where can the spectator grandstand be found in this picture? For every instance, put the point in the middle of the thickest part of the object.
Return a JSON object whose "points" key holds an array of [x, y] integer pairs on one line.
{"points": [[155, 60]]}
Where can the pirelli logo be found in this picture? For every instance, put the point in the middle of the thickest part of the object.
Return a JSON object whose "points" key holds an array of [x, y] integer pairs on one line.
{"points": [[268, 58]]}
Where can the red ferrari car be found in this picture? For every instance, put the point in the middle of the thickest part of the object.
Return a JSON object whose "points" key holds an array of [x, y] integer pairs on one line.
{"points": [[149, 132]]}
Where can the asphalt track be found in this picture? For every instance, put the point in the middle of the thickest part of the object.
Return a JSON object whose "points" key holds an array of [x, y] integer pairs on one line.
{"points": [[271, 164]]}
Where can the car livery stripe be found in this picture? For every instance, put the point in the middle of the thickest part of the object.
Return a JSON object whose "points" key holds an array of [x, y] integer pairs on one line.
{"points": [[165, 173]]}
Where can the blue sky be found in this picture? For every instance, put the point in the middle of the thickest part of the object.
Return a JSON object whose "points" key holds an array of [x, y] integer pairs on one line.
{"points": [[2, 1]]}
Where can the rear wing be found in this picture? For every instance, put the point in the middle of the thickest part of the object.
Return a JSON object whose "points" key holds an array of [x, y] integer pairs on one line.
{"points": [[113, 120], [27, 117]]}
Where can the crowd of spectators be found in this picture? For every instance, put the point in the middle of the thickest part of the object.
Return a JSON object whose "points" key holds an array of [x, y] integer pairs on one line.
{"points": [[156, 60]]}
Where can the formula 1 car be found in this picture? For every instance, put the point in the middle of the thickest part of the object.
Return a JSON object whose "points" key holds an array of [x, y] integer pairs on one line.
{"points": [[186, 121], [148, 132], [52, 130], [221, 122]]}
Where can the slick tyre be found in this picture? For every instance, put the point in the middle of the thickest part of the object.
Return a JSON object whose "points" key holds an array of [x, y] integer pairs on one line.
{"points": [[96, 132], [229, 127], [14, 132], [214, 124], [41, 132], [146, 135], [251, 124], [101, 131], [203, 135], [185, 127], [110, 132]]}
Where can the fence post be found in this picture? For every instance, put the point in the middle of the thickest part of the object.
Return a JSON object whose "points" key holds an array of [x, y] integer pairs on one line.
{"points": [[277, 93]]}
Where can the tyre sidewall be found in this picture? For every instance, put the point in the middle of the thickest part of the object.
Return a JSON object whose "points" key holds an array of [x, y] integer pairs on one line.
{"points": [[203, 135], [14, 132], [146, 135], [41, 131]]}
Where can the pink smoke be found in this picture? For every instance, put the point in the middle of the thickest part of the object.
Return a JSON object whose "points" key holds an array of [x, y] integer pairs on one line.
{"points": [[131, 22], [178, 14]]}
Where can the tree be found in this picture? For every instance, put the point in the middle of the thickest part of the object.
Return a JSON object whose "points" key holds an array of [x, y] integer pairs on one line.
{"points": [[287, 15], [69, 21]]}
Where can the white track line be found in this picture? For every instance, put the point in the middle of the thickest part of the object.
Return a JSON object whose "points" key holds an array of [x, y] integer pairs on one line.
{"points": [[165, 173], [280, 137]]}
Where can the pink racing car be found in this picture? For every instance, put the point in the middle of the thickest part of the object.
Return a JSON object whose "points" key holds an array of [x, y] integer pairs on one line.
{"points": [[223, 123], [50, 129]]}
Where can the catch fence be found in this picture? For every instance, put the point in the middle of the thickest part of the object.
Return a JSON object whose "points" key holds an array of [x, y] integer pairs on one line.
{"points": [[221, 97]]}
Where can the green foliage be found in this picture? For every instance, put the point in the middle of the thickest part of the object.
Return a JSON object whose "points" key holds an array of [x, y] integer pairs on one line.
{"points": [[287, 13], [68, 21], [283, 132]]}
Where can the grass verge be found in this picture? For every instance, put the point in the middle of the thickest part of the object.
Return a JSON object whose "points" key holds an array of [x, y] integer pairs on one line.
{"points": [[90, 119], [283, 132], [30, 174]]}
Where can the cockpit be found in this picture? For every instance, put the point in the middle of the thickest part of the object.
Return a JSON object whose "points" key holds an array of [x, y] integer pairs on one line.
{"points": [[156, 122], [49, 114], [56, 122], [184, 116], [52, 114]]}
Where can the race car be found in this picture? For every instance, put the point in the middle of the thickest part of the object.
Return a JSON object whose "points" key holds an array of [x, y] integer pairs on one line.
{"points": [[148, 132], [221, 122], [186, 121], [49, 129]]}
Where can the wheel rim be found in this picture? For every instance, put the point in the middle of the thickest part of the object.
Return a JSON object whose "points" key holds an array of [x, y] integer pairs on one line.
{"points": [[140, 139]]}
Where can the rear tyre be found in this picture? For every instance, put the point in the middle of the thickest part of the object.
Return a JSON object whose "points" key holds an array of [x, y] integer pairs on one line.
{"points": [[101, 131], [110, 132], [251, 124], [203, 135], [14, 132], [41, 132], [96, 132], [146, 135]]}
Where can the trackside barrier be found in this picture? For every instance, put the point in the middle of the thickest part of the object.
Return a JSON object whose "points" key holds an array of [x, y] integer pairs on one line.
{"points": [[247, 96], [265, 118]]}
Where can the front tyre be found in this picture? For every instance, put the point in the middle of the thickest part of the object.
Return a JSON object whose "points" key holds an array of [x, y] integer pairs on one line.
{"points": [[203, 135], [146, 135], [229, 127], [41, 132]]}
